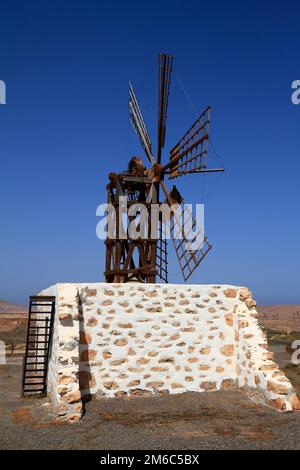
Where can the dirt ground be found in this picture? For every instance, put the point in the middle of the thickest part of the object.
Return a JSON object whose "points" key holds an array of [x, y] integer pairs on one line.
{"points": [[218, 420]]}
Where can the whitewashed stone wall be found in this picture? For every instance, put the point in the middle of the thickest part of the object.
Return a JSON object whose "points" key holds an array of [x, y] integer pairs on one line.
{"points": [[139, 339]]}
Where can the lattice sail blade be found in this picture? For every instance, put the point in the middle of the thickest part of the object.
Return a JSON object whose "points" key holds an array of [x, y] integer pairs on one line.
{"points": [[190, 154], [162, 251], [164, 80], [190, 243], [139, 125]]}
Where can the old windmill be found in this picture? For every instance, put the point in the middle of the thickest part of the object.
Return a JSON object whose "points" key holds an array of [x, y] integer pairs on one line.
{"points": [[144, 259]]}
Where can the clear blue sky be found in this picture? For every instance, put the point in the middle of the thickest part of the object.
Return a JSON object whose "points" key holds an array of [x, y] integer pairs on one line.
{"points": [[65, 127]]}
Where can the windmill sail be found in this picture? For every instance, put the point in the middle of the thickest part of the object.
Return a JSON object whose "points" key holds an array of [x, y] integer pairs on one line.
{"points": [[164, 80], [139, 125], [162, 251], [190, 154], [192, 247]]}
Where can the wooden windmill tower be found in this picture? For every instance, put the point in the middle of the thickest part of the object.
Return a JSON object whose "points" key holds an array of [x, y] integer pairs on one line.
{"points": [[146, 258]]}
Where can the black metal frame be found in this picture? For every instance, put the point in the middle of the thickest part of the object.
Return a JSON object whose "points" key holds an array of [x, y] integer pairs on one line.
{"points": [[35, 302]]}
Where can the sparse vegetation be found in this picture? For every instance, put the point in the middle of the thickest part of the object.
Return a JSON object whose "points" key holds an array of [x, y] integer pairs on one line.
{"points": [[281, 336], [292, 371]]}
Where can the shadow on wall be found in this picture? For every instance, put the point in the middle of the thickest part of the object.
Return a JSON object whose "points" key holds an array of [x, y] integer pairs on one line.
{"points": [[86, 357]]}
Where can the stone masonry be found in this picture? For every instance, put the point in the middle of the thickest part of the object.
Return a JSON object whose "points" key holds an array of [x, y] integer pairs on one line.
{"points": [[139, 339]]}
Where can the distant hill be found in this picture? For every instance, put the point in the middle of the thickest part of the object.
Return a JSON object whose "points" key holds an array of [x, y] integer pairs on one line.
{"points": [[281, 309], [8, 307], [13, 322], [280, 317]]}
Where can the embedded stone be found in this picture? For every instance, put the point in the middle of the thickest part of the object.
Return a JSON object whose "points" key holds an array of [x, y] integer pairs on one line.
{"points": [[73, 417], [205, 350], [229, 319], [62, 409], [106, 355], [125, 325], [92, 322], [72, 397], [135, 370], [227, 350], [193, 359], [105, 303], [245, 294], [110, 385], [64, 316], [118, 362], [176, 385], [220, 369], [166, 359], [278, 387], [175, 337], [190, 311], [154, 309], [65, 379], [120, 394], [272, 366], [294, 401], [154, 384], [121, 342], [188, 378], [88, 355], [208, 386], [131, 352], [122, 376], [250, 303], [143, 360], [124, 303], [140, 393], [85, 338], [213, 294], [159, 369], [108, 292], [278, 403], [204, 367], [153, 353], [152, 294], [230, 293], [228, 384], [91, 292], [134, 383]]}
